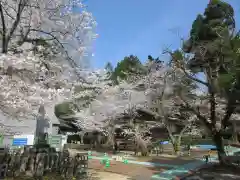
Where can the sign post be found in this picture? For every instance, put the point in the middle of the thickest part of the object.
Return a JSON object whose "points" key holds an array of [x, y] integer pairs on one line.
{"points": [[1, 140], [55, 141]]}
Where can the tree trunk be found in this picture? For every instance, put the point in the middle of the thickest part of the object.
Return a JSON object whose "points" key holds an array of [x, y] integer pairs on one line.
{"points": [[176, 147], [235, 133], [141, 146], [176, 143], [235, 137], [4, 45], [217, 138]]}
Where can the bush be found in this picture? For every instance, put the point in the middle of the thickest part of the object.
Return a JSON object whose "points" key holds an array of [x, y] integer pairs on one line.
{"points": [[188, 140]]}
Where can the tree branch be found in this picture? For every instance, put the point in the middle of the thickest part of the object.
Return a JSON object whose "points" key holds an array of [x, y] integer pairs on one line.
{"points": [[230, 108], [72, 62], [193, 78], [232, 100], [212, 108], [184, 129], [187, 107], [3, 28], [21, 7], [185, 72]]}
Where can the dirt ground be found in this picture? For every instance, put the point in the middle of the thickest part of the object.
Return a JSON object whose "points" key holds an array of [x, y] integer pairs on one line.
{"points": [[135, 171], [130, 170], [119, 170], [107, 176]]}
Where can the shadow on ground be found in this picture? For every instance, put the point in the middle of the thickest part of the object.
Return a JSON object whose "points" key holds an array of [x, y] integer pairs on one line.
{"points": [[216, 172]]}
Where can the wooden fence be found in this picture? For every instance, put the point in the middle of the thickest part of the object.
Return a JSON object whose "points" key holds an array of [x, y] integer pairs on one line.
{"points": [[37, 162]]}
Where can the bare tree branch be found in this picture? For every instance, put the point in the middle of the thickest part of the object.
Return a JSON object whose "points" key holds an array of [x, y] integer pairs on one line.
{"points": [[183, 68], [72, 62], [20, 9], [188, 107], [3, 28]]}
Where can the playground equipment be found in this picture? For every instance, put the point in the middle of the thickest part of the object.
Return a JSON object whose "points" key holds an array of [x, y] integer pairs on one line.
{"points": [[89, 154], [107, 163], [125, 161], [105, 160]]}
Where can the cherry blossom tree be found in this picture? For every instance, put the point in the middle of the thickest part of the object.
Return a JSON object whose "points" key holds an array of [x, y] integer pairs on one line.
{"points": [[129, 95], [42, 43], [65, 25], [100, 103], [106, 101], [28, 81], [161, 87]]}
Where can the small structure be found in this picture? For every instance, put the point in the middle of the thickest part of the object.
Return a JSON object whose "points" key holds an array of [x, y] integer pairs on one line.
{"points": [[67, 125], [42, 126], [55, 128], [141, 115]]}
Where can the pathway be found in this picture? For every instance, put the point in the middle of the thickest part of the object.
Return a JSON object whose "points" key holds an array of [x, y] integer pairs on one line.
{"points": [[175, 171], [186, 168], [151, 164]]}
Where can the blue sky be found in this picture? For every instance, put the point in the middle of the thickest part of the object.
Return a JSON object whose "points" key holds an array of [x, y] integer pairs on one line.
{"points": [[142, 27]]}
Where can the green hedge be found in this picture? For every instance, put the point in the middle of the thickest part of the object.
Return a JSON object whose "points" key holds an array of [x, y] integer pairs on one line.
{"points": [[196, 141]]}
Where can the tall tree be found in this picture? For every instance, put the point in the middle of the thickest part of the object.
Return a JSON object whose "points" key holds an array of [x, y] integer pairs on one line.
{"points": [[109, 67], [212, 53], [128, 67]]}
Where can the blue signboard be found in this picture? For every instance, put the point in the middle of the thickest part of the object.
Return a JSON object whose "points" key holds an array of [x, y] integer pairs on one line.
{"points": [[19, 141], [164, 142]]}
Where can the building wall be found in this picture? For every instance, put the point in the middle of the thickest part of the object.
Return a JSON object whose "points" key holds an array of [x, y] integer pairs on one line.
{"points": [[7, 141], [55, 130]]}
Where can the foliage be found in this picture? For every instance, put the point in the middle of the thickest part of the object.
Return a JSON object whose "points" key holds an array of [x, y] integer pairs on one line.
{"points": [[196, 140], [63, 109], [213, 46], [111, 103], [129, 66], [109, 67]]}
